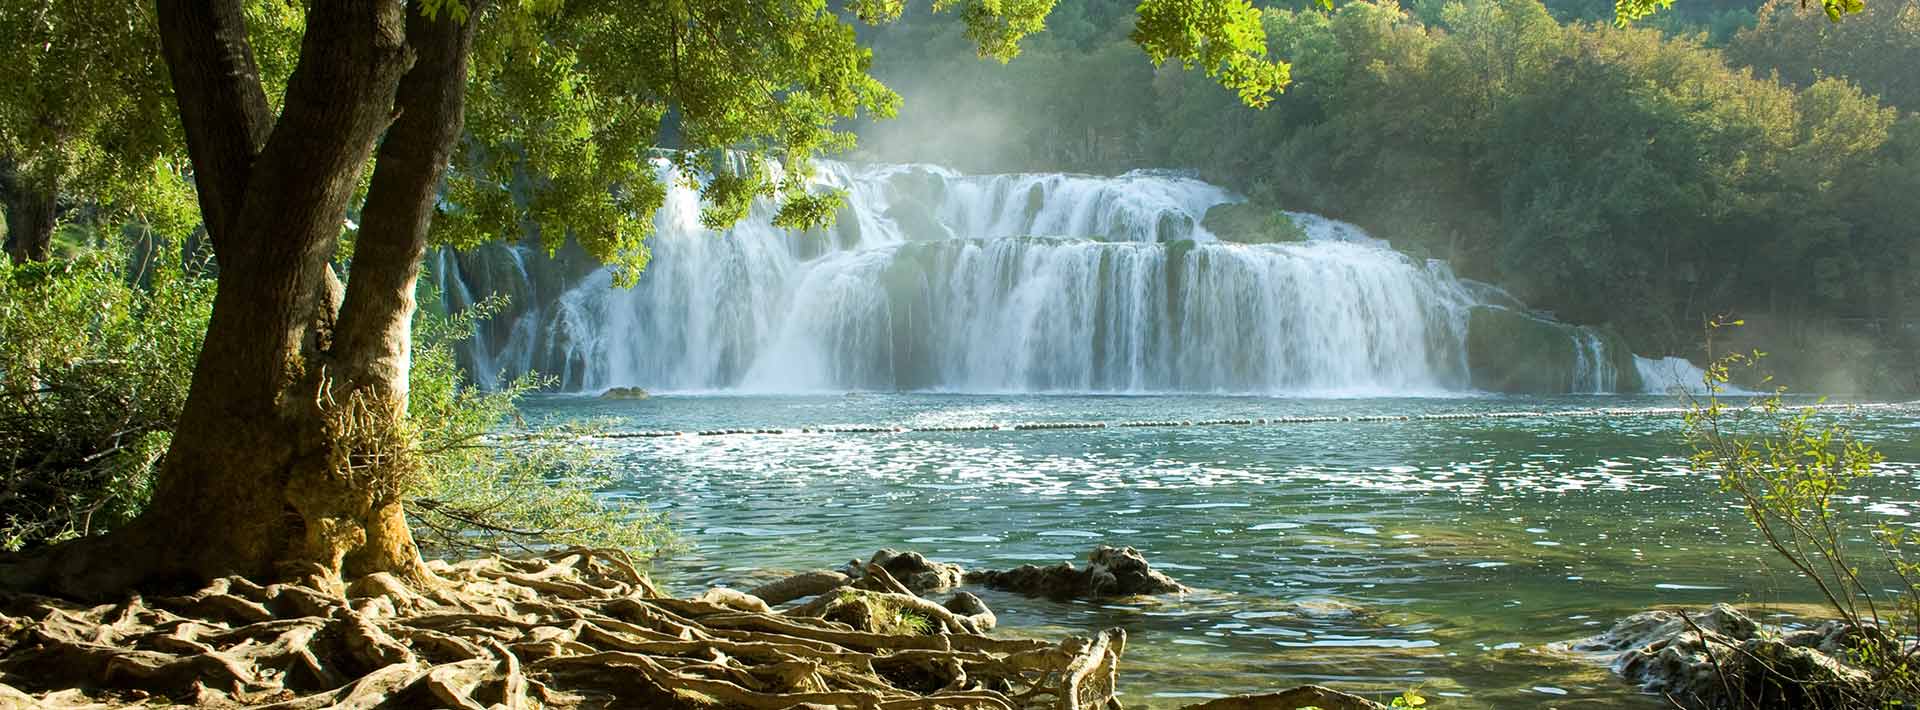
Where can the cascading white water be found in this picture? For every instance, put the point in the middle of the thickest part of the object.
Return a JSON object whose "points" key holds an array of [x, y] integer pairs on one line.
{"points": [[932, 280], [1671, 375]]}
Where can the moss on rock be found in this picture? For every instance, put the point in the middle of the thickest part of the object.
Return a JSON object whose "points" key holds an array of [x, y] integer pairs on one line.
{"points": [[1251, 223], [1510, 351], [1626, 371]]}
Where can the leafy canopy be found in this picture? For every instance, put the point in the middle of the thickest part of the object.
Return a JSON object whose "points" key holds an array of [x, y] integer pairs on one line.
{"points": [[83, 103], [87, 113], [1223, 38], [566, 100], [1625, 12]]}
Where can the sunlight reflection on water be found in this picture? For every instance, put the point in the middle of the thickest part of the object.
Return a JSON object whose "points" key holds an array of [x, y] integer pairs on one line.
{"points": [[1367, 554]]}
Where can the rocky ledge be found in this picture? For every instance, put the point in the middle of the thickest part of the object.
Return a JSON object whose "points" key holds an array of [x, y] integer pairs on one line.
{"points": [[1723, 658]]}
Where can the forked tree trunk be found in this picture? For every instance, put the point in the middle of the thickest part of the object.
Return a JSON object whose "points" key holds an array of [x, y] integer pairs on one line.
{"points": [[289, 458], [374, 340]]}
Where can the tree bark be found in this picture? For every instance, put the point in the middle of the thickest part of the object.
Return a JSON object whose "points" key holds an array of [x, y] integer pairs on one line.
{"points": [[32, 210], [375, 338], [282, 464], [30, 220], [222, 104]]}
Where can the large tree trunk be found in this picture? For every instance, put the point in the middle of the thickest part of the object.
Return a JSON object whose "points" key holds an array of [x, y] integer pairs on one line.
{"points": [[31, 212], [290, 457]]}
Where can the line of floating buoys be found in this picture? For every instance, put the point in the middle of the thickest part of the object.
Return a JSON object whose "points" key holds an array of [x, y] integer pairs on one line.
{"points": [[639, 434], [1262, 421]]}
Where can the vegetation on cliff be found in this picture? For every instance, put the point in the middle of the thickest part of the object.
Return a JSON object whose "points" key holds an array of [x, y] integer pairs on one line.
{"points": [[1672, 172]]}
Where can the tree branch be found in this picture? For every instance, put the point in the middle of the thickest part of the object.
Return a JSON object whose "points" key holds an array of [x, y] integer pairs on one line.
{"points": [[431, 101], [223, 107]]}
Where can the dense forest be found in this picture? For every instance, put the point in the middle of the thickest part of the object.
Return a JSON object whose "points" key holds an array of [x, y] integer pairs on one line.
{"points": [[1724, 158]]}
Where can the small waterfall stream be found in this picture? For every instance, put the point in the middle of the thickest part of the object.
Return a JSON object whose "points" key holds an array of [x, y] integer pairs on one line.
{"points": [[1593, 372]]}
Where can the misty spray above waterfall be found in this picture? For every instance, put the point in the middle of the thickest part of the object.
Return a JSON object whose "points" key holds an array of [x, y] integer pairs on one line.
{"points": [[931, 280]]}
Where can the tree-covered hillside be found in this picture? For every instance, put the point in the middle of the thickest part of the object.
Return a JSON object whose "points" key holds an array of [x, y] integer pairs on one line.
{"points": [[1644, 177]]}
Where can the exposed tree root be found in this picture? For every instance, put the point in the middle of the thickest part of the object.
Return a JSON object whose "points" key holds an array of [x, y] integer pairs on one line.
{"points": [[578, 628], [805, 584]]}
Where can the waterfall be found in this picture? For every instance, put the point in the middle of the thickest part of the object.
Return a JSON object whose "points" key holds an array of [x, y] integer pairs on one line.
{"points": [[1672, 375], [1593, 368], [934, 280]]}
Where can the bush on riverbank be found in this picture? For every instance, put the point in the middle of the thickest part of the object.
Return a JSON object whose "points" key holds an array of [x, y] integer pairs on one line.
{"points": [[94, 369], [1792, 474], [96, 353], [484, 490]]}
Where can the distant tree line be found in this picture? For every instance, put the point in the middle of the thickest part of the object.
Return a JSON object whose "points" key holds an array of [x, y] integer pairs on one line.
{"points": [[1722, 158]]}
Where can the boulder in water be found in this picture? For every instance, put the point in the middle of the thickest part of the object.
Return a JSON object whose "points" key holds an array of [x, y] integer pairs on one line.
{"points": [[1491, 295], [1300, 698], [916, 220], [914, 196], [1510, 351], [1110, 572], [1626, 367], [625, 393], [1722, 658], [914, 570]]}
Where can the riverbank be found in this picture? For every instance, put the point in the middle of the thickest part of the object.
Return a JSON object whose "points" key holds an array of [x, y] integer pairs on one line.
{"points": [[574, 628]]}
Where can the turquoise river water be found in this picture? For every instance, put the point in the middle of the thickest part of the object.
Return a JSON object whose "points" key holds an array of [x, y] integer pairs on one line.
{"points": [[1372, 556]]}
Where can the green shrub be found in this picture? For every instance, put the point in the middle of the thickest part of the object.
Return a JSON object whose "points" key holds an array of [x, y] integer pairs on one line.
{"points": [[93, 372], [1252, 223], [1792, 470], [97, 353], [491, 483]]}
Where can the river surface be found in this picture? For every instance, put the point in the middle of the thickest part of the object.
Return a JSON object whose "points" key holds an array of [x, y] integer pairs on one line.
{"points": [[1372, 556]]}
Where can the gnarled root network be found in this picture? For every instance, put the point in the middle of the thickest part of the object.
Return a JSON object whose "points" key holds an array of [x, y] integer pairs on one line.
{"points": [[575, 628]]}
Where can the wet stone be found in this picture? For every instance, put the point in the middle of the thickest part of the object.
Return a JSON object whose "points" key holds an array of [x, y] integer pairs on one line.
{"points": [[1722, 658], [1110, 572]]}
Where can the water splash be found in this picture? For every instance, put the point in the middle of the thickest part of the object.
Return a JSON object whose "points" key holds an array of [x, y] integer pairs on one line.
{"points": [[1672, 375]]}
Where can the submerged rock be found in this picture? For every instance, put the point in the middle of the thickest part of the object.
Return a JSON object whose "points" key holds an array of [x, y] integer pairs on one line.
{"points": [[1722, 658], [1648, 628], [1110, 572], [1325, 608], [1301, 698]]}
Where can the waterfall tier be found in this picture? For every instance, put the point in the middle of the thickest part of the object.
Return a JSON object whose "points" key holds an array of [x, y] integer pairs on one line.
{"points": [[931, 280]]}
